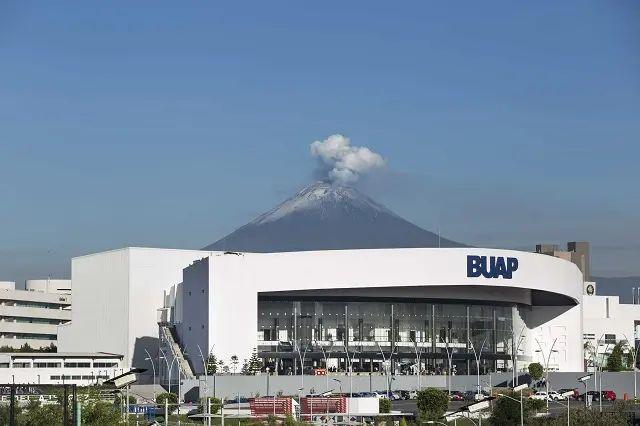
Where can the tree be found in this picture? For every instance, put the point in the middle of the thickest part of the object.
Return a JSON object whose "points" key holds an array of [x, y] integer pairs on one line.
{"points": [[384, 405], [25, 348], [535, 370], [117, 400], [432, 403], [99, 413], [506, 412], [216, 403], [255, 364], [36, 414], [234, 363], [614, 361], [166, 396], [212, 364]]}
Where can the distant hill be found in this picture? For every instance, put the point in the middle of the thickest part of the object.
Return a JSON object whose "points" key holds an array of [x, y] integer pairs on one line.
{"points": [[325, 216], [607, 286]]}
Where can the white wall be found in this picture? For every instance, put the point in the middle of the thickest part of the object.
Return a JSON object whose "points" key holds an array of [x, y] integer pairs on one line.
{"points": [[619, 319], [116, 295], [99, 317]]}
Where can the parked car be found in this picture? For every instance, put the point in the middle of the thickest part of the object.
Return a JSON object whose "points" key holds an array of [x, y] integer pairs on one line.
{"points": [[594, 394], [576, 393], [457, 396], [541, 395], [555, 396], [408, 394], [608, 395], [395, 396]]}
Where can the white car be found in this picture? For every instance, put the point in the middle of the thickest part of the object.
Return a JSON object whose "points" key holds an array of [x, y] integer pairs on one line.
{"points": [[541, 395], [555, 396]]}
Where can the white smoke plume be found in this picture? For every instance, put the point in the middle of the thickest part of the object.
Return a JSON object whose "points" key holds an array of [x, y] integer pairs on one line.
{"points": [[344, 163]]}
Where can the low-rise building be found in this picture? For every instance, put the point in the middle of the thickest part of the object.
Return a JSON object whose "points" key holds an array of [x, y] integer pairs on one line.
{"points": [[32, 316], [59, 368]]}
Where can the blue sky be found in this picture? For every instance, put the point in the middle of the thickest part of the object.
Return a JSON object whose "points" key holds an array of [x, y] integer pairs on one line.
{"points": [[170, 124]]}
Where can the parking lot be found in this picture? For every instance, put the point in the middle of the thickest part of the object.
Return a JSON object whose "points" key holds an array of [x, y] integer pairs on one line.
{"points": [[409, 406]]}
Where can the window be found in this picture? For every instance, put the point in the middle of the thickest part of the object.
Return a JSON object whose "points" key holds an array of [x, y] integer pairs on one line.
{"points": [[76, 377], [47, 365], [21, 365], [104, 364], [77, 364], [55, 377], [4, 365], [610, 339]]}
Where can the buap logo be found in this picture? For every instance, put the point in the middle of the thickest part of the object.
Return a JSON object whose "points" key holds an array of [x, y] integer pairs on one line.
{"points": [[493, 267]]}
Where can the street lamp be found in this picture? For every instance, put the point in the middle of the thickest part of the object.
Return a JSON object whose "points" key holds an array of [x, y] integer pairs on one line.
{"points": [[634, 353], [326, 366], [418, 355], [154, 373], [514, 352], [564, 395], [450, 360], [384, 365], [478, 356], [339, 382], [166, 360], [583, 380], [516, 389], [546, 364]]}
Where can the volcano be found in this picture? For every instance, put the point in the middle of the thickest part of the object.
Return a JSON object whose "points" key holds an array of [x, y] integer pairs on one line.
{"points": [[325, 216]]}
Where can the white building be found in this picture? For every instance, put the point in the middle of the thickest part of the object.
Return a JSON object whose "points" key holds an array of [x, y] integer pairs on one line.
{"points": [[32, 316], [245, 301], [116, 296], [608, 322], [59, 368], [346, 300]]}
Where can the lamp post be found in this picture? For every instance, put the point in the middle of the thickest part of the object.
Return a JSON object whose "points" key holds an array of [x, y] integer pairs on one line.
{"points": [[514, 353], [350, 364], [206, 378], [169, 368], [449, 362], [583, 380], [546, 364], [154, 373], [418, 355], [326, 366], [564, 395], [634, 353], [516, 389], [478, 356], [384, 364]]}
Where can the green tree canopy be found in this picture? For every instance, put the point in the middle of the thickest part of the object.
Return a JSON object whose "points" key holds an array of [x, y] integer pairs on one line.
{"points": [[432, 403], [535, 370], [614, 361]]}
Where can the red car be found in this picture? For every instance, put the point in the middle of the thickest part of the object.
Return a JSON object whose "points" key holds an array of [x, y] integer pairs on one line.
{"points": [[457, 396], [608, 395]]}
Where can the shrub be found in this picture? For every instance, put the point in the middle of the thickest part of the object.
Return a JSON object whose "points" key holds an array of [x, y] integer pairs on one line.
{"points": [[384, 405], [172, 398], [432, 403], [506, 411], [216, 403], [614, 361], [535, 370]]}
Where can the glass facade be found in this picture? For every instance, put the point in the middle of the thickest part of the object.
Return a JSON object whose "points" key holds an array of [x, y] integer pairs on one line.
{"points": [[374, 335]]}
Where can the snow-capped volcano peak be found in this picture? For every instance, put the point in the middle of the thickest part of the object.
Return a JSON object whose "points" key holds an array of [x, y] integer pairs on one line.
{"points": [[320, 197], [325, 216]]}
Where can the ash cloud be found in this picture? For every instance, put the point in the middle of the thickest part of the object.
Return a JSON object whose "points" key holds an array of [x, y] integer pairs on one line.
{"points": [[343, 163]]}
